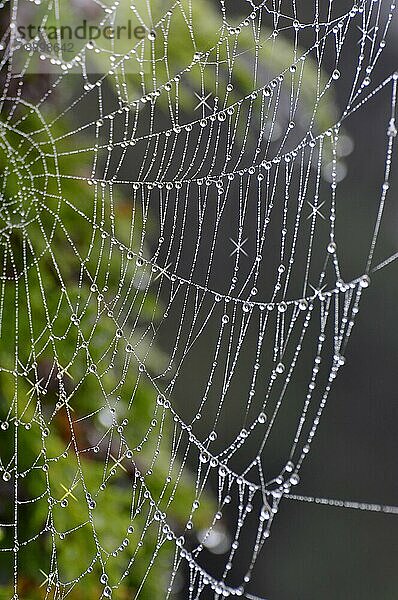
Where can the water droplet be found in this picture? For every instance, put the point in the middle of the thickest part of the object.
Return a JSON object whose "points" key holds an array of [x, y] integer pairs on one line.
{"points": [[365, 281], [332, 247], [289, 466], [204, 457], [303, 304], [262, 417]]}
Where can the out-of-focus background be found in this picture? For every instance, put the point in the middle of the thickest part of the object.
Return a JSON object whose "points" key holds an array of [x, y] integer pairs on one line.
{"points": [[318, 552]]}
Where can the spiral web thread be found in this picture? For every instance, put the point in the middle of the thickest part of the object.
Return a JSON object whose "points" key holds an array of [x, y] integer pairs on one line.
{"points": [[227, 242]]}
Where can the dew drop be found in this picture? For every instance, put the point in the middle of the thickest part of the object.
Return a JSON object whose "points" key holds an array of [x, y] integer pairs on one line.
{"points": [[332, 248], [365, 281], [262, 417], [303, 304]]}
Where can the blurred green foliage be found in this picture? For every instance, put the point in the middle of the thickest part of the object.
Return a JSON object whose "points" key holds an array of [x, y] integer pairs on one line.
{"points": [[50, 461]]}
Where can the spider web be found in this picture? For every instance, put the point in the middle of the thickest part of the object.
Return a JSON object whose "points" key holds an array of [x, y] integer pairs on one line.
{"points": [[193, 201]]}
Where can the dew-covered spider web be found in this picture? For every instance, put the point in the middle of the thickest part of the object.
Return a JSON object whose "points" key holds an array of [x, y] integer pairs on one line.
{"points": [[170, 229]]}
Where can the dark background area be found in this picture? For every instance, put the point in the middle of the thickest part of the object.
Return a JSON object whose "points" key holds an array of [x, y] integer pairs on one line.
{"points": [[318, 552]]}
